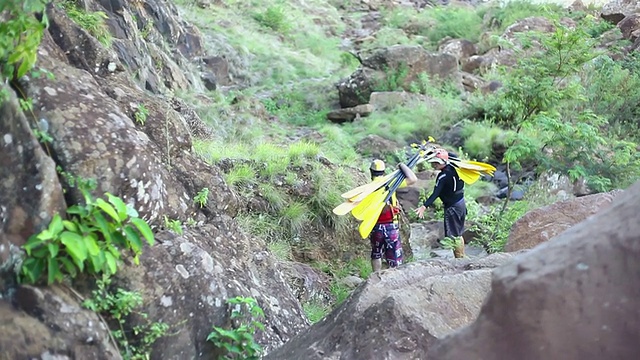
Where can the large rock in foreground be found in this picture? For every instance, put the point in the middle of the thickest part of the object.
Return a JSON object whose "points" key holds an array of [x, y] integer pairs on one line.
{"points": [[574, 297], [397, 314]]}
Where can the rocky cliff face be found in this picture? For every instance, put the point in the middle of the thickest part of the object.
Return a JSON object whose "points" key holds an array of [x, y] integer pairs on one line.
{"points": [[88, 108]]}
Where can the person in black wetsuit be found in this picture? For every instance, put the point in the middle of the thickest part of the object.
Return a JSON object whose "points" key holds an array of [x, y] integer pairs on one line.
{"points": [[450, 189]]}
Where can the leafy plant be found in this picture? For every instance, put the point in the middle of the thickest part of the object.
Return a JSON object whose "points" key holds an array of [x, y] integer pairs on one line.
{"points": [[92, 240], [455, 22], [238, 342], [201, 197], [141, 114], [173, 225], [493, 228], [20, 35], [136, 343]]}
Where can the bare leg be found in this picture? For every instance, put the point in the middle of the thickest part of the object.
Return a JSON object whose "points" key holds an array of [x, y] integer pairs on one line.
{"points": [[376, 264]]}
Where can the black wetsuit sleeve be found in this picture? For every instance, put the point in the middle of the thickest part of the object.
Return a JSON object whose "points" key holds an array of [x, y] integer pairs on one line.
{"points": [[437, 189]]}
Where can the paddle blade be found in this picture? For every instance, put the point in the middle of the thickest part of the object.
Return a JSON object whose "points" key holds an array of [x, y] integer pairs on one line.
{"points": [[487, 168], [360, 211], [369, 187], [473, 165], [370, 220], [345, 208], [467, 175]]}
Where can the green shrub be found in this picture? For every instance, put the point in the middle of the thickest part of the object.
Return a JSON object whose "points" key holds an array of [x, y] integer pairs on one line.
{"points": [[454, 22], [243, 174], [118, 306], [275, 18], [295, 217], [494, 227], [20, 36], [92, 240], [480, 139], [238, 342], [281, 249]]}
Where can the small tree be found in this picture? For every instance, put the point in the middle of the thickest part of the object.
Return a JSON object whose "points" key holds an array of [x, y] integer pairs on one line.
{"points": [[543, 102]]}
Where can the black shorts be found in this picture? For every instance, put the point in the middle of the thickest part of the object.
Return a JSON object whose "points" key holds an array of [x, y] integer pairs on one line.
{"points": [[454, 216]]}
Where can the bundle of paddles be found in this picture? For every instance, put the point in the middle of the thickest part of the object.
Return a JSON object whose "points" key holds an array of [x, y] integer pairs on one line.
{"points": [[366, 202]]}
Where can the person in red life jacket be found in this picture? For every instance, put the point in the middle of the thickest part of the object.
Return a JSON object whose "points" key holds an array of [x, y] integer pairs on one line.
{"points": [[385, 236], [450, 189]]}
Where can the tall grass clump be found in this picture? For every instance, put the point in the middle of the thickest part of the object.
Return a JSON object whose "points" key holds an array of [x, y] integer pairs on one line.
{"points": [[480, 137], [454, 22], [506, 13]]}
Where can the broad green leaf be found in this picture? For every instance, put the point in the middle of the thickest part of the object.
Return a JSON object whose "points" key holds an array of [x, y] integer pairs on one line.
{"points": [[92, 245], [119, 239], [99, 261], [70, 225], [106, 207], [75, 247], [33, 242], [119, 205], [92, 264], [103, 226], [112, 263], [15, 57], [27, 63], [77, 210], [45, 235], [53, 249], [35, 269], [134, 239], [132, 212], [144, 229], [40, 252], [52, 270], [55, 227]]}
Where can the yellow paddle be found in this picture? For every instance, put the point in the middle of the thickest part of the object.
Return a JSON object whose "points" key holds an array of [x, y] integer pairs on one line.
{"points": [[370, 187], [345, 207], [370, 220], [360, 212], [468, 176]]}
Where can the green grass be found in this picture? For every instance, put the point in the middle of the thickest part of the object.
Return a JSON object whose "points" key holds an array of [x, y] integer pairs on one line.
{"points": [[281, 249], [277, 198], [501, 17], [262, 226], [302, 150], [480, 138], [295, 217], [242, 174], [329, 185], [266, 45], [315, 311], [93, 22]]}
